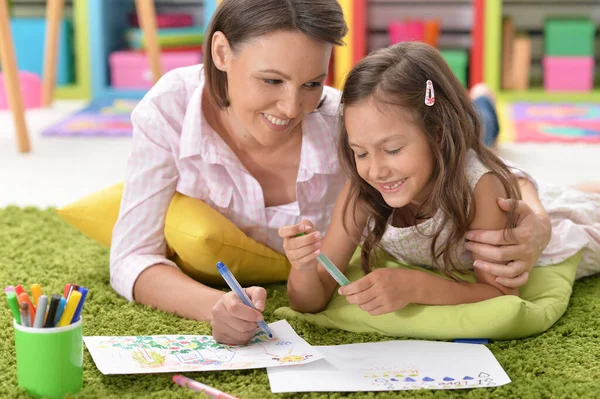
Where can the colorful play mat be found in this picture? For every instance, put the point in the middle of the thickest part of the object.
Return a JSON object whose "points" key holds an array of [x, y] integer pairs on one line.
{"points": [[551, 122], [100, 118]]}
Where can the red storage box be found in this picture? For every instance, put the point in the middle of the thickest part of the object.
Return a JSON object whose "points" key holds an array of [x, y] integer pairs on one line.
{"points": [[165, 20]]}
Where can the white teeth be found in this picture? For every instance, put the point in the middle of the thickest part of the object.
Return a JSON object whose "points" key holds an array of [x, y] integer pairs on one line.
{"points": [[393, 186], [277, 121]]}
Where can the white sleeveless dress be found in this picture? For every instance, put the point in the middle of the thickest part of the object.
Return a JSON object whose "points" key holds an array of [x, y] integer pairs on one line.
{"points": [[575, 218]]}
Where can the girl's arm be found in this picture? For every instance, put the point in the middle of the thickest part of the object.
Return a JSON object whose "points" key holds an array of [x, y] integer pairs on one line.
{"points": [[309, 286], [489, 216], [522, 251], [435, 290]]}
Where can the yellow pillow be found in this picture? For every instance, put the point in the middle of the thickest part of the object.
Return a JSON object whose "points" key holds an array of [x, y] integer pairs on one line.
{"points": [[197, 237]]}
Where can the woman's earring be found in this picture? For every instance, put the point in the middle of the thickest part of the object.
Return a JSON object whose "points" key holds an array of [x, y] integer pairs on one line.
{"points": [[429, 94]]}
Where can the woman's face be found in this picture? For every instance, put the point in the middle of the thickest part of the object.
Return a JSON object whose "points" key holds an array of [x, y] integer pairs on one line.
{"points": [[274, 81]]}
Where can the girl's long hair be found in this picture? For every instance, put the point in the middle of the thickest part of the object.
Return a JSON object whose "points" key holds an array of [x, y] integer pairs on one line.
{"points": [[396, 76]]}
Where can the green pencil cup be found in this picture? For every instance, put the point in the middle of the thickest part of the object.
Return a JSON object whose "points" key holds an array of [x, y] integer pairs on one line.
{"points": [[49, 360]]}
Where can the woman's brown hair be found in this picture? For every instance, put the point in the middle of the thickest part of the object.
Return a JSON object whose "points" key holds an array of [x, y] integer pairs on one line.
{"points": [[396, 77], [242, 20]]}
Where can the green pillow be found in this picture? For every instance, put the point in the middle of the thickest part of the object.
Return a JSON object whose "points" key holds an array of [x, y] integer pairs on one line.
{"points": [[543, 301]]}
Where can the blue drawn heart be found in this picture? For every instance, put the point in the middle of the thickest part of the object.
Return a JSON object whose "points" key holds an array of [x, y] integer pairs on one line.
{"points": [[408, 379], [448, 379], [428, 379], [467, 378]]}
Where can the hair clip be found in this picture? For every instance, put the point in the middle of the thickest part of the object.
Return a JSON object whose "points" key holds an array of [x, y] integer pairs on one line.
{"points": [[429, 94]]}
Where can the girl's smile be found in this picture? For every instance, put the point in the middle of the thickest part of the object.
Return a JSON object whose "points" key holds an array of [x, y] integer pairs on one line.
{"points": [[391, 188], [391, 152]]}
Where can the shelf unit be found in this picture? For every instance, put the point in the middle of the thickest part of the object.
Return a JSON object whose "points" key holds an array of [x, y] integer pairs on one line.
{"points": [[529, 16], [461, 25], [107, 25], [77, 11]]}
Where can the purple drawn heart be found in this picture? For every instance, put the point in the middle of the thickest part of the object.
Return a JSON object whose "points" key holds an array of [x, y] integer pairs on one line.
{"points": [[428, 379], [448, 379], [467, 378], [393, 379]]}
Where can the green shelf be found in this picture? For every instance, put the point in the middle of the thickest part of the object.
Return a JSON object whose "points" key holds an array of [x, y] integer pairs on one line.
{"points": [[539, 94]]}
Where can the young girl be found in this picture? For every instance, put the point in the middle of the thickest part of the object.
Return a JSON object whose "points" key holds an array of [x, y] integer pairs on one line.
{"points": [[419, 179]]}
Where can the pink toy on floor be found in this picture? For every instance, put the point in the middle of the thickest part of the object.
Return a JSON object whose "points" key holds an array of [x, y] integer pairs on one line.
{"points": [[31, 89]]}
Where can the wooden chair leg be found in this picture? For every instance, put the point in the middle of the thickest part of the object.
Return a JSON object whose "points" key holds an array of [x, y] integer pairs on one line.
{"points": [[54, 11], [147, 17], [11, 78]]}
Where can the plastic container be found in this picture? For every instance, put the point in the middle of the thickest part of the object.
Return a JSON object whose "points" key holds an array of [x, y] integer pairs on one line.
{"points": [[458, 61], [165, 20], [569, 37], [568, 73], [406, 31], [31, 90], [49, 360], [29, 39], [130, 69]]}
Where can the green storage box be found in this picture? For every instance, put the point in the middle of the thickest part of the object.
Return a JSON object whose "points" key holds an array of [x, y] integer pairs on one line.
{"points": [[457, 60], [569, 37]]}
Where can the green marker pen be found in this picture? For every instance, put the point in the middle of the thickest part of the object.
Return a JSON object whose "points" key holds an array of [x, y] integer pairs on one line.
{"points": [[13, 302], [330, 267]]}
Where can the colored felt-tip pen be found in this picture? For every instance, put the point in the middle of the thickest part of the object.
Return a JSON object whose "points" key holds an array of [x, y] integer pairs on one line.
{"points": [[237, 288], [330, 267], [200, 387], [14, 305]]}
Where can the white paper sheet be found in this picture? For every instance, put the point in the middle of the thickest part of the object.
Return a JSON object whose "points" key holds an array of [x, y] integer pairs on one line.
{"points": [[181, 353], [393, 366]]}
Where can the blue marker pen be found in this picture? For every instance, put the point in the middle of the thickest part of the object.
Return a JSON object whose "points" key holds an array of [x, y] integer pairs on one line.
{"points": [[60, 310], [237, 288], [84, 292]]}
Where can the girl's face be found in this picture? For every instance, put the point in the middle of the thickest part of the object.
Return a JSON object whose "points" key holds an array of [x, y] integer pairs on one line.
{"points": [[391, 152], [274, 81]]}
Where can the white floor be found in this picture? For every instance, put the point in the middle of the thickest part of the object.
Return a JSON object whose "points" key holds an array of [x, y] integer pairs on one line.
{"points": [[58, 171]]}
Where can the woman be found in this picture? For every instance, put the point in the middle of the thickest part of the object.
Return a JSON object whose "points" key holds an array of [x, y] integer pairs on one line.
{"points": [[252, 133]]}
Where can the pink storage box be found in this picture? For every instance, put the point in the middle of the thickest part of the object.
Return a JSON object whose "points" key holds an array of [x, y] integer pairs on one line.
{"points": [[407, 31], [131, 70], [165, 20], [31, 90], [568, 73]]}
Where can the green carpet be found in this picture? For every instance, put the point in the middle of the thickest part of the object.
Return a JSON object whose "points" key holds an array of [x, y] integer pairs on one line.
{"points": [[36, 246]]}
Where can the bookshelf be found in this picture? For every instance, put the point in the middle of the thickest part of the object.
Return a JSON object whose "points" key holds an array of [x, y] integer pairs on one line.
{"points": [[77, 11], [529, 17], [107, 26]]}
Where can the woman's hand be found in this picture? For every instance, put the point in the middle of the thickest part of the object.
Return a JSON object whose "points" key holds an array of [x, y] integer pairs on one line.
{"points": [[381, 291], [511, 258], [301, 244], [233, 322]]}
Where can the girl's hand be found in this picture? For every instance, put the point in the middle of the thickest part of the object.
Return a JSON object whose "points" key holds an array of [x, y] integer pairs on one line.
{"points": [[381, 291], [302, 244], [233, 322], [532, 234]]}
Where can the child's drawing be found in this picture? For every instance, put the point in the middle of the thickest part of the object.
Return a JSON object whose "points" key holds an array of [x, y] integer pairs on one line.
{"points": [[393, 366], [176, 353]]}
